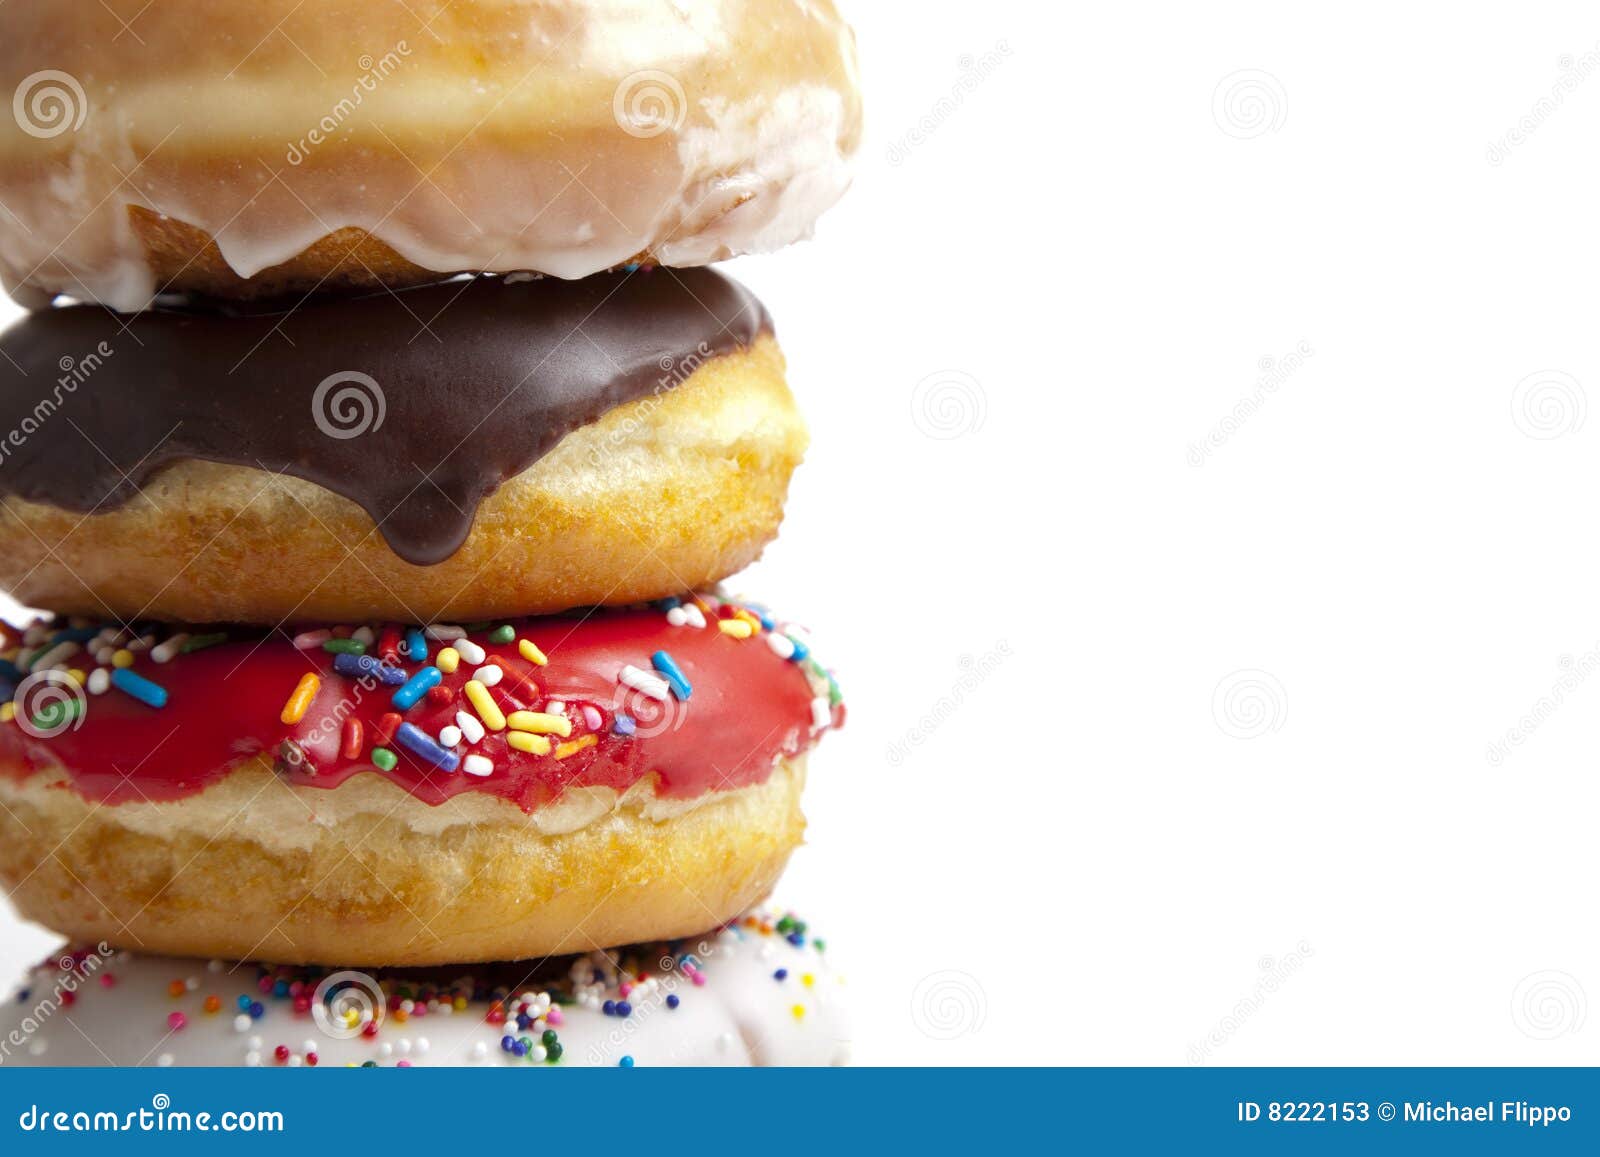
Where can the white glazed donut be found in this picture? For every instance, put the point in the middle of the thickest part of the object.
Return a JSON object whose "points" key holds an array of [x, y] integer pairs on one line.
{"points": [[759, 992]]}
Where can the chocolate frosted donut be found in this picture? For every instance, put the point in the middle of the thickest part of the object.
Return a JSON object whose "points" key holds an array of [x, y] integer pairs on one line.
{"points": [[472, 448], [273, 146], [386, 795]]}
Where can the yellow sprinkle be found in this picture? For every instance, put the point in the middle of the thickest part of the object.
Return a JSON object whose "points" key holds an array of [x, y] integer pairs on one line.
{"points": [[738, 628], [488, 711], [304, 692], [8, 711], [799, 1011], [808, 980], [77, 675], [447, 660], [749, 618], [122, 657], [460, 1003], [532, 744], [531, 653], [573, 746], [541, 723]]}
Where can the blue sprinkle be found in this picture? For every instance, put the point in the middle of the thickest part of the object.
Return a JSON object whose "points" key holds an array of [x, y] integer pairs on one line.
{"points": [[624, 1008], [801, 651], [798, 939], [281, 988], [609, 1008], [365, 666], [672, 1000], [622, 725], [7, 689], [9, 670], [664, 663], [142, 689], [416, 687], [257, 1010], [781, 974], [73, 635], [668, 603], [506, 1043], [422, 745], [416, 645], [625, 1063], [244, 1003]]}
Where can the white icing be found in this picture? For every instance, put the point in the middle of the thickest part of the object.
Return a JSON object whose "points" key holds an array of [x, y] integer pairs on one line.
{"points": [[565, 138], [741, 1016]]}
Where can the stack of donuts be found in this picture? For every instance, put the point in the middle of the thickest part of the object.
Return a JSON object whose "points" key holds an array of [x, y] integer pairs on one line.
{"points": [[376, 447]]}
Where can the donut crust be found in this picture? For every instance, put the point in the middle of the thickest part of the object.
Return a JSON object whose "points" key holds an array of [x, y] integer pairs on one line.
{"points": [[670, 493], [364, 875]]}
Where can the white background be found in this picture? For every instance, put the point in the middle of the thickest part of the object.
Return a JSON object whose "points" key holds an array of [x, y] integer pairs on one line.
{"points": [[1113, 847]]}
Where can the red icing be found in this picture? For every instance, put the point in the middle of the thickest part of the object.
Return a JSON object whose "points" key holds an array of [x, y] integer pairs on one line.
{"points": [[748, 708]]}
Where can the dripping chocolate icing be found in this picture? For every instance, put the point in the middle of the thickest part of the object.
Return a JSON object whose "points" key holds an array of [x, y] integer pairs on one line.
{"points": [[478, 380]]}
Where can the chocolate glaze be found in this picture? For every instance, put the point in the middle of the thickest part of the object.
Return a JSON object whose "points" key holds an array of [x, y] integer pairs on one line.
{"points": [[478, 380]]}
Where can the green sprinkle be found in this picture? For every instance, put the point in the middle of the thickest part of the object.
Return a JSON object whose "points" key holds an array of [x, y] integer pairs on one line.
{"points": [[345, 647], [553, 1052], [548, 1038], [57, 713], [201, 642], [383, 759], [502, 634], [475, 628]]}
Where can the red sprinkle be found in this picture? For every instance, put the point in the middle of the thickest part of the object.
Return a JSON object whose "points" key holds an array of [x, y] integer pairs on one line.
{"points": [[352, 738], [387, 725], [440, 694], [107, 980], [176, 1020], [281, 1054], [311, 1059], [370, 1029]]}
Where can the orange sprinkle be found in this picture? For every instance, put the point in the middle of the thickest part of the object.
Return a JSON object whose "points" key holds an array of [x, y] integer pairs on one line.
{"points": [[300, 702], [573, 746]]}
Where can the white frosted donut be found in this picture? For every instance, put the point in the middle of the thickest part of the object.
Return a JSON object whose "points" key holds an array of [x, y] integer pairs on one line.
{"points": [[273, 146], [765, 995]]}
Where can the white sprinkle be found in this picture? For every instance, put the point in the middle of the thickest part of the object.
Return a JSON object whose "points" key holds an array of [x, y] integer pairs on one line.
{"points": [[215, 966], [676, 617], [782, 646], [385, 1049], [644, 683], [57, 654], [555, 707], [449, 736], [309, 1046], [366, 636], [294, 1061], [480, 1051], [725, 1042], [471, 652], [170, 648], [38, 1046], [477, 765], [444, 632], [403, 1046], [102, 655], [254, 1042], [539, 1052], [192, 983], [308, 640], [99, 681], [591, 717], [241, 1023], [692, 613], [252, 1059], [35, 634], [142, 643], [422, 1044], [489, 674], [471, 726], [821, 713]]}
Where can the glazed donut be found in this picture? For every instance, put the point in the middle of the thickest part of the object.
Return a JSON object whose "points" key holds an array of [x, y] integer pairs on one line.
{"points": [[758, 992], [273, 146], [473, 449], [389, 796]]}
